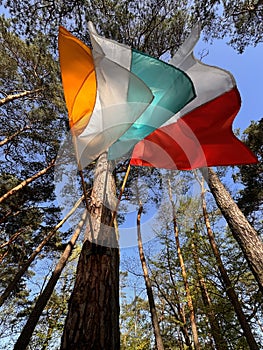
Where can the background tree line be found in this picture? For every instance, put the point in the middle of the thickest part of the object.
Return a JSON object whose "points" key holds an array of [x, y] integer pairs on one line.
{"points": [[33, 230]]}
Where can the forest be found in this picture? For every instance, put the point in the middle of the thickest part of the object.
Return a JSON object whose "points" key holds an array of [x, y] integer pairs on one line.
{"points": [[113, 256]]}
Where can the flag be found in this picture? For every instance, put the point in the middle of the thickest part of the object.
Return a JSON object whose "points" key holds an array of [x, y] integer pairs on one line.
{"points": [[201, 133], [116, 96], [172, 90], [103, 97]]}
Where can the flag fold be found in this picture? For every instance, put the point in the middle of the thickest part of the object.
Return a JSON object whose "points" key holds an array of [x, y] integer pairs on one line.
{"points": [[115, 95], [200, 134], [103, 97]]}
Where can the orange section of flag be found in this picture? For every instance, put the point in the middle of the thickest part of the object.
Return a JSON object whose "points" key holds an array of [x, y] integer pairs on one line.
{"points": [[78, 78]]}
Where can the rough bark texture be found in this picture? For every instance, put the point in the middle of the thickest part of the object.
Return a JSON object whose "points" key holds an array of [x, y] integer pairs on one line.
{"points": [[243, 232], [227, 282], [93, 317], [148, 284]]}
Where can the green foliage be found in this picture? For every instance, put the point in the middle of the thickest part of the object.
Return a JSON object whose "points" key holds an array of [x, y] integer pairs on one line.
{"points": [[136, 332], [33, 126], [170, 296], [153, 26], [250, 198], [239, 21]]}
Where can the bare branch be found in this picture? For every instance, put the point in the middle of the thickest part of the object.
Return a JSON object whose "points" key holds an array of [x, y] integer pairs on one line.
{"points": [[13, 97]]}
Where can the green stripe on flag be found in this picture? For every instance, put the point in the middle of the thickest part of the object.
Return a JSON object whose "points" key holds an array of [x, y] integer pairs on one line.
{"points": [[172, 90]]}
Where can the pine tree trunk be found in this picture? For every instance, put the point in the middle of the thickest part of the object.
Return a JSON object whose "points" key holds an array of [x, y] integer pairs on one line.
{"points": [[180, 309], [92, 322], [154, 317], [243, 232], [26, 334], [188, 293], [214, 326], [228, 285], [184, 275], [11, 286]]}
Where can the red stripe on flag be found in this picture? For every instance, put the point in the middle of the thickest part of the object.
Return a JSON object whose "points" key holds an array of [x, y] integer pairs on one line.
{"points": [[202, 138]]}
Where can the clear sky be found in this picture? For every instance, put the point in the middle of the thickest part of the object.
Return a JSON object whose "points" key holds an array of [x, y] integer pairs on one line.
{"points": [[248, 72]]}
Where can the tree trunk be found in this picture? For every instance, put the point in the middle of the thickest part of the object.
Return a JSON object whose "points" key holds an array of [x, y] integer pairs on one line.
{"points": [[243, 232], [92, 322], [22, 94], [8, 243], [11, 286], [12, 239], [26, 182], [180, 308], [184, 274], [214, 326], [11, 137], [228, 285], [24, 338], [154, 317]]}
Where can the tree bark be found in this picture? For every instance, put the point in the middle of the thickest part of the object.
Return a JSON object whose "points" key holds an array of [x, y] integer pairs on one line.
{"points": [[214, 325], [26, 265], [228, 285], [93, 315], [184, 274], [148, 284], [11, 137], [22, 94], [27, 181], [242, 231], [12, 239], [24, 338]]}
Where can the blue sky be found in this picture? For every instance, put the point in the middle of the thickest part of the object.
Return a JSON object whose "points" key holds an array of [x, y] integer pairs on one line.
{"points": [[248, 72]]}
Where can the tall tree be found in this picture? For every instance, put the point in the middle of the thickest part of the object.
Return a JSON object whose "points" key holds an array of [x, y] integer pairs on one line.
{"points": [[183, 271], [215, 328], [243, 232], [165, 276], [240, 20], [93, 315], [31, 126], [250, 197], [43, 299], [148, 284], [156, 27], [228, 285]]}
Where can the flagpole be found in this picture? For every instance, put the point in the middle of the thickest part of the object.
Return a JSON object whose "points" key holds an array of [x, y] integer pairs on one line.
{"points": [[120, 194], [83, 185]]}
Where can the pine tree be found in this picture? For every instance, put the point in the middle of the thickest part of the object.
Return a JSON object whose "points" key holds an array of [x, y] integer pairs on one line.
{"points": [[34, 117]]}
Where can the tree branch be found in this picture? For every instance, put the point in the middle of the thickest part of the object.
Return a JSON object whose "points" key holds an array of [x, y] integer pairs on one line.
{"points": [[13, 97]]}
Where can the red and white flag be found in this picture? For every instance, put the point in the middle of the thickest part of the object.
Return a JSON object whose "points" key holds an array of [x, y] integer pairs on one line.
{"points": [[200, 134]]}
